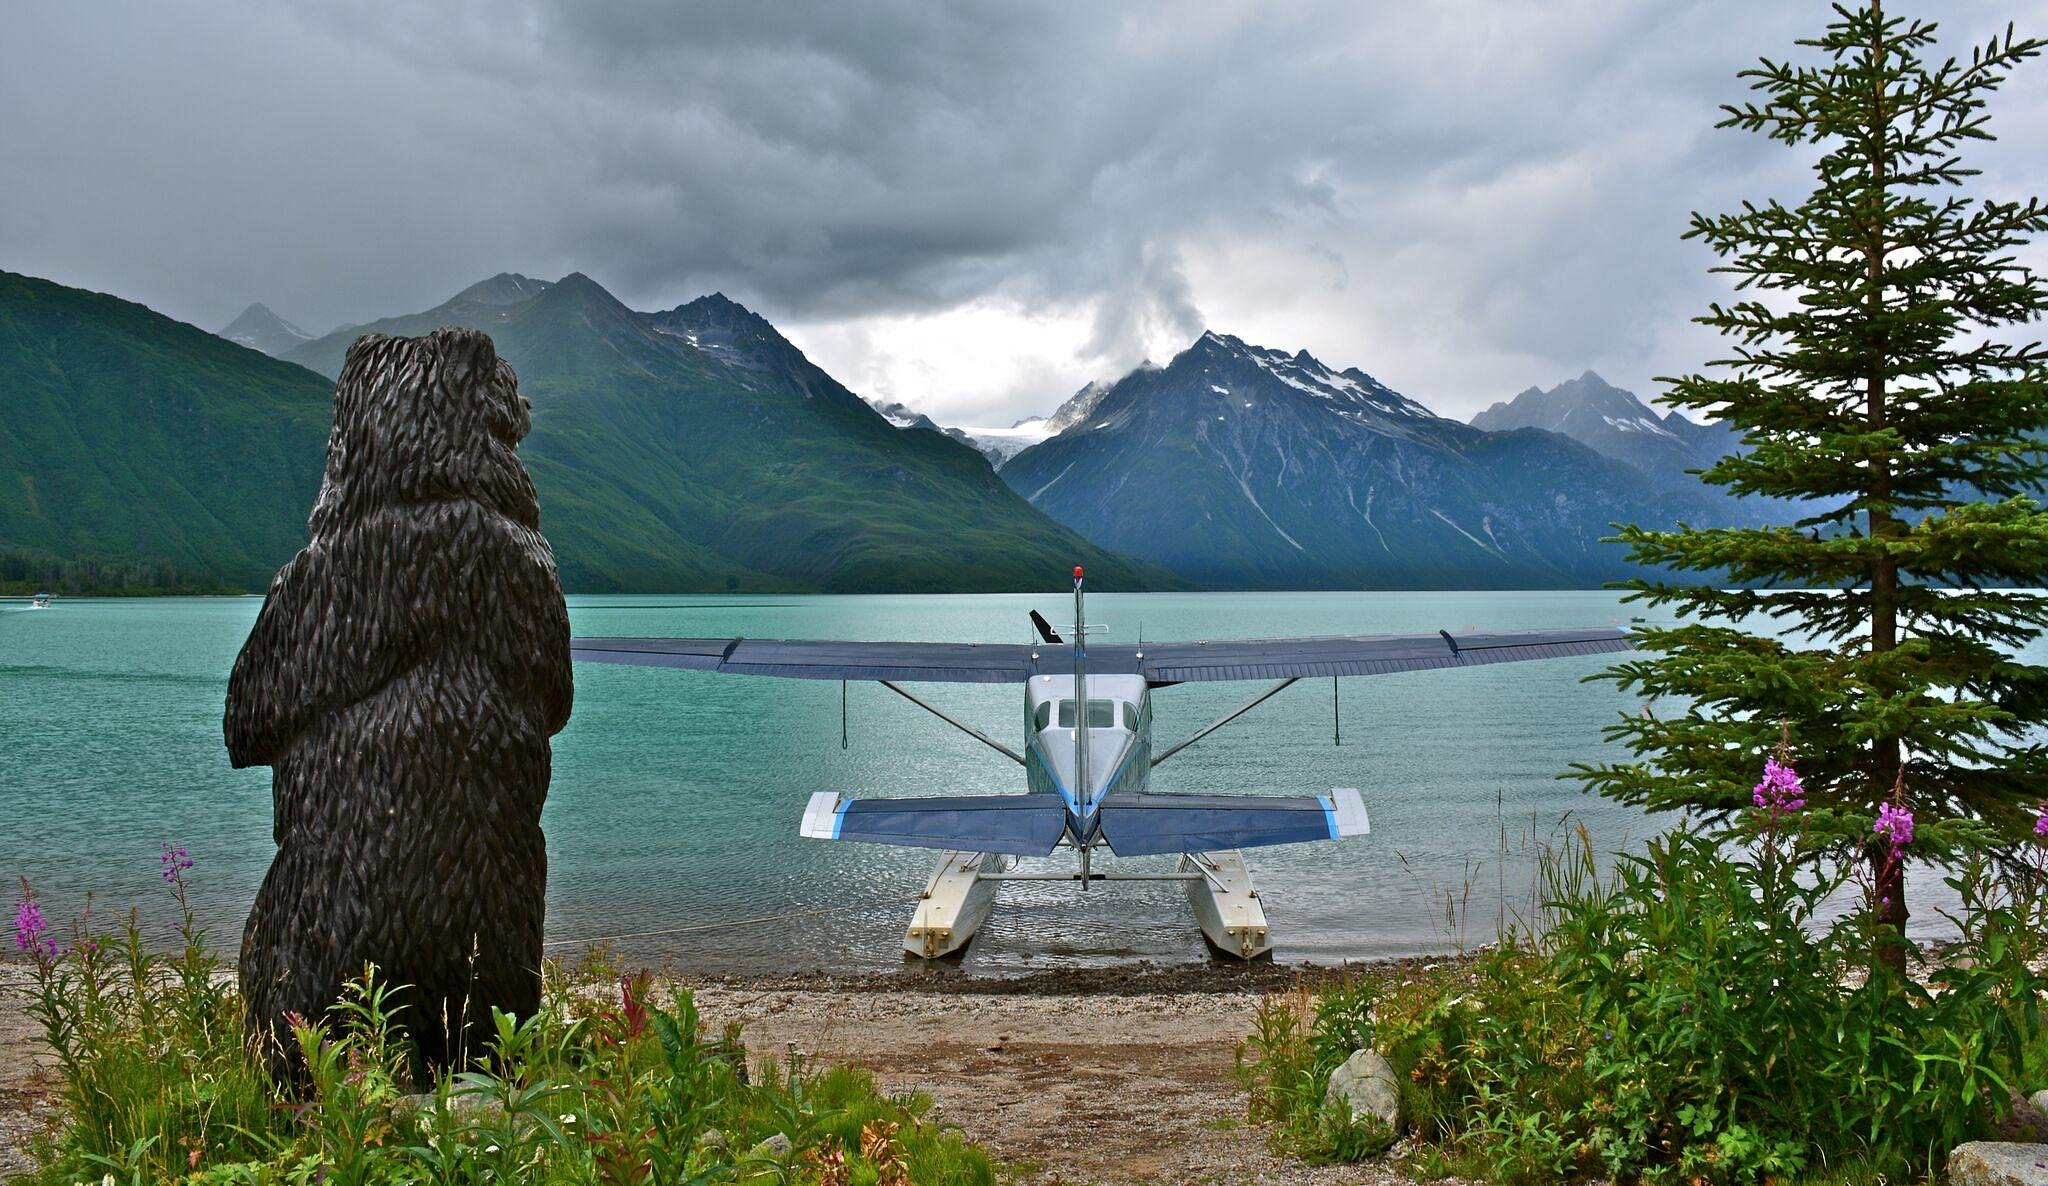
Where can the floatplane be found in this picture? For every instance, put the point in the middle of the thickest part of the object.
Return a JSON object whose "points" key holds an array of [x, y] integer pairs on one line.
{"points": [[1087, 769]]}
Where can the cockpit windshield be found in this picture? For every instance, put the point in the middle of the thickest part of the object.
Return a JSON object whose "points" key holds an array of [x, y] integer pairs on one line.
{"points": [[1101, 714]]}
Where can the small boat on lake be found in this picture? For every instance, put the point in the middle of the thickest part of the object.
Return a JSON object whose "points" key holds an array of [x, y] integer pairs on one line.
{"points": [[39, 601]]}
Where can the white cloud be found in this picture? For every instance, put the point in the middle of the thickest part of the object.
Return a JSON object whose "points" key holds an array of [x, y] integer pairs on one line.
{"points": [[973, 363]]}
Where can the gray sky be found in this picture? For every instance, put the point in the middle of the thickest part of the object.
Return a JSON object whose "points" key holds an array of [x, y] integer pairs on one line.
{"points": [[970, 207]]}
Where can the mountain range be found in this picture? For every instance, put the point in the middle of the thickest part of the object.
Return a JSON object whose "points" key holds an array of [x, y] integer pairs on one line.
{"points": [[690, 449], [696, 448], [1242, 466]]}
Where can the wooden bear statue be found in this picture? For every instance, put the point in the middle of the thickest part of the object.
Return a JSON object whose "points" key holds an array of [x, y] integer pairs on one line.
{"points": [[402, 681]]}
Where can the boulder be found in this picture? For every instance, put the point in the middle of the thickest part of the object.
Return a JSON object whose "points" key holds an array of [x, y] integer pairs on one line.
{"points": [[1998, 1163], [2040, 1101], [776, 1147], [1365, 1086]]}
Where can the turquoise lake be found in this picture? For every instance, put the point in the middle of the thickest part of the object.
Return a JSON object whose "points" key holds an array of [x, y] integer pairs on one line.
{"points": [[673, 814]]}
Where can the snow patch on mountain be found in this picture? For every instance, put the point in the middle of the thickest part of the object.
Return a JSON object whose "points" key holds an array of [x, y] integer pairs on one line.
{"points": [[1001, 444], [1615, 422]]}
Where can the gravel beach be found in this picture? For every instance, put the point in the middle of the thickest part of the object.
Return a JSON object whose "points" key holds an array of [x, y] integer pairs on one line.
{"points": [[1113, 1076]]}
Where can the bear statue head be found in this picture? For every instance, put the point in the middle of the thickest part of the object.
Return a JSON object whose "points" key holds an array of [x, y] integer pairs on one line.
{"points": [[425, 420]]}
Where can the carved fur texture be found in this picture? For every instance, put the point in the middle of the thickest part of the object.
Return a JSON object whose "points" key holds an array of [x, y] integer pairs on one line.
{"points": [[403, 679]]}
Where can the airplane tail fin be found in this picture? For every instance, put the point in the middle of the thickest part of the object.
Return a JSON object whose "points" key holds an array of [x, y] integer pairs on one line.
{"points": [[1019, 825], [1140, 825]]}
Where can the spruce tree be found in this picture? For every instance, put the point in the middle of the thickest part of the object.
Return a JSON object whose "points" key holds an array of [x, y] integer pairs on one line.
{"points": [[1876, 377]]}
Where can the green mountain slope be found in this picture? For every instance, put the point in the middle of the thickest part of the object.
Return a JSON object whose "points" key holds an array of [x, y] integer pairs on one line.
{"points": [[132, 439], [698, 449]]}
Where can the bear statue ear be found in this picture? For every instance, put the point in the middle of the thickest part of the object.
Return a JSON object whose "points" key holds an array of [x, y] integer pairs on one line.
{"points": [[360, 350], [467, 354]]}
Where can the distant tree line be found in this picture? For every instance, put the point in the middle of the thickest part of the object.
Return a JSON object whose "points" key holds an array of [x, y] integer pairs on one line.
{"points": [[23, 572]]}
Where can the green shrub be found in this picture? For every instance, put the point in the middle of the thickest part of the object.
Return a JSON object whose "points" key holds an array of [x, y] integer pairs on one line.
{"points": [[1742, 1037], [612, 1082], [1691, 1017]]}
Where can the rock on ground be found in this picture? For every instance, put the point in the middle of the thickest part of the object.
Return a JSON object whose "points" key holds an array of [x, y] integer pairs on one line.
{"points": [[1365, 1086], [1998, 1163]]}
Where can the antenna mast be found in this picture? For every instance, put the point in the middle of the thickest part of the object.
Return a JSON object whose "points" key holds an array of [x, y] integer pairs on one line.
{"points": [[1082, 792]]}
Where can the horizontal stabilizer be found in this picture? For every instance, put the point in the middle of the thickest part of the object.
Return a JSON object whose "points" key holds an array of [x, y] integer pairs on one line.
{"points": [[1140, 825], [1019, 825]]}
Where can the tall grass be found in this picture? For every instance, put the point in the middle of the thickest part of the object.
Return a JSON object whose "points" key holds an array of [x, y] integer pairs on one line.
{"points": [[613, 1081]]}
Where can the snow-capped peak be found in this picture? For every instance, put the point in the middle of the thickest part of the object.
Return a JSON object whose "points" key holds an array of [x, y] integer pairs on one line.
{"points": [[1305, 373]]}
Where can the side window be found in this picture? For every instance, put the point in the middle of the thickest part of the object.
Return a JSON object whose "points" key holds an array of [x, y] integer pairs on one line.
{"points": [[1043, 717], [1131, 717]]}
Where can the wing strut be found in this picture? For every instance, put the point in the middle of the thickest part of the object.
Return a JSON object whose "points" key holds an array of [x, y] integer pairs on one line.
{"points": [[1226, 718], [964, 727]]}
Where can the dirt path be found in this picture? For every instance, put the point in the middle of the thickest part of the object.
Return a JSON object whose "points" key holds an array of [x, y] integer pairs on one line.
{"points": [[1114, 1078], [1115, 1086]]}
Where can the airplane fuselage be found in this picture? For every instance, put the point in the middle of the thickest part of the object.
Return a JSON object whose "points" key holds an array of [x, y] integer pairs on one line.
{"points": [[1119, 738]]}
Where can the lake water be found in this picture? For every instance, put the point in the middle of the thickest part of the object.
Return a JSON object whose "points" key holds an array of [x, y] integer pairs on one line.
{"points": [[673, 814]]}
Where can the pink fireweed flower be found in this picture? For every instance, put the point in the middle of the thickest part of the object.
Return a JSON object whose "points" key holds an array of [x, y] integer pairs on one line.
{"points": [[2041, 821], [31, 932], [174, 863], [1780, 792], [1895, 824]]}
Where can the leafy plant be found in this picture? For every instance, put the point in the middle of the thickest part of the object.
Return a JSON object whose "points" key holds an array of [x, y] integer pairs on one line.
{"points": [[608, 1083]]}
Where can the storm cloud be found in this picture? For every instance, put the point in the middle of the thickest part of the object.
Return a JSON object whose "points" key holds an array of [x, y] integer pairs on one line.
{"points": [[971, 207]]}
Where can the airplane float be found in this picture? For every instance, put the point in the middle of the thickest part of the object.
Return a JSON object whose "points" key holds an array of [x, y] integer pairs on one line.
{"points": [[1087, 770]]}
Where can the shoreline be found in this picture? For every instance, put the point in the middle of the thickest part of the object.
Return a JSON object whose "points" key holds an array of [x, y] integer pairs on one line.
{"points": [[1141, 1059]]}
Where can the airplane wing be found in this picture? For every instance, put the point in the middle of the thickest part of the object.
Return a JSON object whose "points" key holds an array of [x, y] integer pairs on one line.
{"points": [[934, 662], [1143, 825], [1022, 825], [1160, 663]]}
